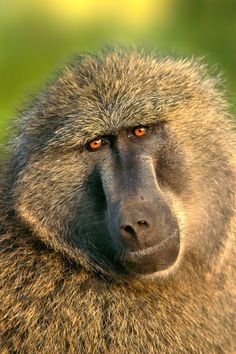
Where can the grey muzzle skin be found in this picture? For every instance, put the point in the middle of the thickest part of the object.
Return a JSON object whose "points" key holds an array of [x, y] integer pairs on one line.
{"points": [[139, 220]]}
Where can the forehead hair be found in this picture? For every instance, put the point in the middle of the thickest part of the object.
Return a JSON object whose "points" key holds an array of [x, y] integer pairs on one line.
{"points": [[95, 96]]}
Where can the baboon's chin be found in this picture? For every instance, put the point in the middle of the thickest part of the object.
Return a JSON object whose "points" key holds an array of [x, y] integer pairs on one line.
{"points": [[153, 259]]}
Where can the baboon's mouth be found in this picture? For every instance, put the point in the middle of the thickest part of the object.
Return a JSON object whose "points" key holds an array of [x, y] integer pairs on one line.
{"points": [[152, 259]]}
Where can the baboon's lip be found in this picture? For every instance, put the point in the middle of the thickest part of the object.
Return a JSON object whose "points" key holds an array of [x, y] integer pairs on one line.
{"points": [[152, 259]]}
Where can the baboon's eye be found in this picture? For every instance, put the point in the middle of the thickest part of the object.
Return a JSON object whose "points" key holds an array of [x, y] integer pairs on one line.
{"points": [[140, 131], [96, 144]]}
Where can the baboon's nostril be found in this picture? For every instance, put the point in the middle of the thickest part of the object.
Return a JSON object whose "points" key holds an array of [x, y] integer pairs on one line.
{"points": [[143, 224], [129, 230], [136, 228]]}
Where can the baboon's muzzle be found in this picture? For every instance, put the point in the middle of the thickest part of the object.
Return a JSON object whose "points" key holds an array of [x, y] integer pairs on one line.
{"points": [[149, 236], [139, 219]]}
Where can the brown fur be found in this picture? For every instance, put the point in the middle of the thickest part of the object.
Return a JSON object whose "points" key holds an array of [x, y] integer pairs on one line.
{"points": [[54, 299]]}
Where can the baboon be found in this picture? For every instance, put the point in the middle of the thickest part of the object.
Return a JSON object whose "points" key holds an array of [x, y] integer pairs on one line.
{"points": [[117, 212]]}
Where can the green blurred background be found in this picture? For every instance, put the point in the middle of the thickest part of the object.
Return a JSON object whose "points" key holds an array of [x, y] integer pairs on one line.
{"points": [[36, 36]]}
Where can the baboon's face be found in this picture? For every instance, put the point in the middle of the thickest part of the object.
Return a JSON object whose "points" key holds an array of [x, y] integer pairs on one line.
{"points": [[117, 167], [109, 197], [134, 215]]}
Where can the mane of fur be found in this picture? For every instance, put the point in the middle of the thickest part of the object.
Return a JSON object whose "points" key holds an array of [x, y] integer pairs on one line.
{"points": [[54, 299]]}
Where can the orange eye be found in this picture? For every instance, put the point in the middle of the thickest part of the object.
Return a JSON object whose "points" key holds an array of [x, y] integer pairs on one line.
{"points": [[95, 144], [140, 131]]}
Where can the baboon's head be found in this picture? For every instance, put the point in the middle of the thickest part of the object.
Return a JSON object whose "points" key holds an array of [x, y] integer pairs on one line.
{"points": [[123, 164]]}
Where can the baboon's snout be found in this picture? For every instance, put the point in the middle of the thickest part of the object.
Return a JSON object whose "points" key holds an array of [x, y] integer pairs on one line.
{"points": [[149, 235], [137, 225]]}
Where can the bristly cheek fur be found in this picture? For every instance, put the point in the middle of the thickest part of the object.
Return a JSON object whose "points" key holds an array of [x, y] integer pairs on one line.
{"points": [[171, 167], [49, 189]]}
